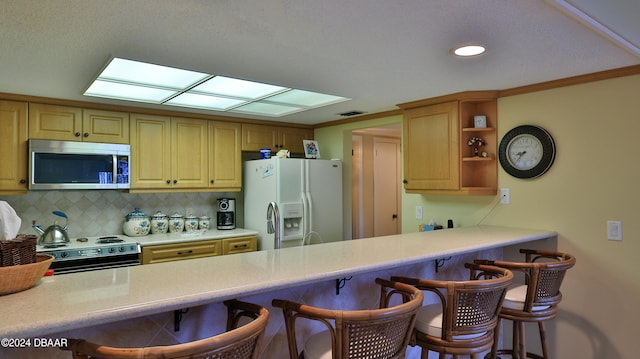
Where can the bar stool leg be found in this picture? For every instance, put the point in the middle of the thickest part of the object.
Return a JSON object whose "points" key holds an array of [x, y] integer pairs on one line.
{"points": [[543, 340], [521, 341]]}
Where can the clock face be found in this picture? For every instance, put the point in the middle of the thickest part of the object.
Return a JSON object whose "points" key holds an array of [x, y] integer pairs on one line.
{"points": [[527, 151], [524, 152]]}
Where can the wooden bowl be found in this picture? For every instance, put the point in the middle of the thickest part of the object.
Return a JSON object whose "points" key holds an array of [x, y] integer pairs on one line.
{"points": [[21, 277]]}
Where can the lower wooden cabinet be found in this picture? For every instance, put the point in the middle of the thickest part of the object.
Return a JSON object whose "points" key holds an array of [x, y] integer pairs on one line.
{"points": [[198, 249], [239, 245], [179, 251]]}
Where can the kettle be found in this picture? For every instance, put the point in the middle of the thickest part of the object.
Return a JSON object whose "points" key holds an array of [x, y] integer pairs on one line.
{"points": [[54, 234]]}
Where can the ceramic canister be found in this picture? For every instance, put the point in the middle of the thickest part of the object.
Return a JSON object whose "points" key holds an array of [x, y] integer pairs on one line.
{"points": [[176, 223], [136, 224], [204, 222], [159, 223], [190, 223]]}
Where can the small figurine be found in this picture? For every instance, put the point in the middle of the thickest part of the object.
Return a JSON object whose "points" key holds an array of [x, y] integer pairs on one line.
{"points": [[476, 142]]}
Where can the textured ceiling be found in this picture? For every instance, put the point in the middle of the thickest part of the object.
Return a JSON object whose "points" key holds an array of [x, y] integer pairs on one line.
{"points": [[379, 53]]}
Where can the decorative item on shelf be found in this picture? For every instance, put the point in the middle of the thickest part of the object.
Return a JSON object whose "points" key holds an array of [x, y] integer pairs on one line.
{"points": [[476, 142], [480, 121], [265, 153], [204, 222], [311, 149], [283, 154]]}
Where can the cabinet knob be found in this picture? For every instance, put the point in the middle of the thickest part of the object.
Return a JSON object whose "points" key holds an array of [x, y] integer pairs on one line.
{"points": [[23, 181], [86, 134], [168, 181], [77, 134], [212, 181], [405, 181], [175, 181]]}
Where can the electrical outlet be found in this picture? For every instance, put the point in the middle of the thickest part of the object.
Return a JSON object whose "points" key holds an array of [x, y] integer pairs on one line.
{"points": [[418, 212], [614, 230], [505, 195]]}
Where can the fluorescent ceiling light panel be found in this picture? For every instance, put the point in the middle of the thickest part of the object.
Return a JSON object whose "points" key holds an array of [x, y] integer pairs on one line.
{"points": [[469, 50], [204, 101], [149, 74], [128, 92], [305, 98], [227, 86], [267, 109], [138, 81]]}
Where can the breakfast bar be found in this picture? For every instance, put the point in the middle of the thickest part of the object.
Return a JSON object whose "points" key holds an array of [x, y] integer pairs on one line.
{"points": [[64, 303]]}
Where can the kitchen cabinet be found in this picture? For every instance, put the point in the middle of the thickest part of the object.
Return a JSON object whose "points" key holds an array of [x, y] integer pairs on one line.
{"points": [[239, 245], [197, 249], [437, 156], [65, 123], [13, 146], [255, 137], [179, 251], [168, 153], [225, 156]]}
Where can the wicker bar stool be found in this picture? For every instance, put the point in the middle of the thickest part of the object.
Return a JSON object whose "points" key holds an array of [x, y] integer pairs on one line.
{"points": [[463, 321], [534, 301], [237, 343], [382, 333]]}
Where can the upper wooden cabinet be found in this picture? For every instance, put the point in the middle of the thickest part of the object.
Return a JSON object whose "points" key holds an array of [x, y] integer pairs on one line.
{"points": [[168, 153], [255, 137], [225, 156], [64, 123], [437, 156], [13, 147]]}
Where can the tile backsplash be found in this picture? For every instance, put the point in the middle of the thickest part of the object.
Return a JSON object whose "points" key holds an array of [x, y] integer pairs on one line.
{"points": [[97, 213]]}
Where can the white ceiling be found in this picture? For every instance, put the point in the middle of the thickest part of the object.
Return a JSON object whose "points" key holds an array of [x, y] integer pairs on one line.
{"points": [[377, 52]]}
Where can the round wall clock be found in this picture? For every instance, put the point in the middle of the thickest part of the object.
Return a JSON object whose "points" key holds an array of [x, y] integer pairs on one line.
{"points": [[527, 151]]}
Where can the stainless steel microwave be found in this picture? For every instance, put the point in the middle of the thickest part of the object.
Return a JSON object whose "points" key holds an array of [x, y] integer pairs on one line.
{"points": [[78, 165]]}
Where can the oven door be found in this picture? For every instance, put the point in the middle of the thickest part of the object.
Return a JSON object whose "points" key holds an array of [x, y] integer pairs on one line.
{"points": [[94, 263]]}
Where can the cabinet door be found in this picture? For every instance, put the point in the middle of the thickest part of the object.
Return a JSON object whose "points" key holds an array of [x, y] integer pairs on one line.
{"points": [[189, 153], [255, 137], [13, 146], [431, 153], [180, 251], [51, 122], [291, 138], [225, 161], [150, 151], [105, 126], [239, 245]]}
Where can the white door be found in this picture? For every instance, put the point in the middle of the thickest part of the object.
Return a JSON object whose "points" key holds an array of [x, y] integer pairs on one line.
{"points": [[386, 170]]}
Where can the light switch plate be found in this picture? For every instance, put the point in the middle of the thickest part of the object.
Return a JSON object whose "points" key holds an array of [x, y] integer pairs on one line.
{"points": [[614, 230]]}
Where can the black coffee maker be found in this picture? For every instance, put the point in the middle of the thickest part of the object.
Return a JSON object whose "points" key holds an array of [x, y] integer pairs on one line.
{"points": [[226, 213]]}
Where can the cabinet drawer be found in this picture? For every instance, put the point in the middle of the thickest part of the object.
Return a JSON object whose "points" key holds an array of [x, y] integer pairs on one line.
{"points": [[239, 245], [179, 251]]}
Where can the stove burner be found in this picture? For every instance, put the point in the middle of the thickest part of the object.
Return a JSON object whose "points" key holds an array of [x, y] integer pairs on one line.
{"points": [[110, 239], [55, 245], [82, 240]]}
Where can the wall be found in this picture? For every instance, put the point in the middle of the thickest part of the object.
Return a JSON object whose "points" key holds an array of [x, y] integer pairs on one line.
{"points": [[593, 179], [98, 213]]}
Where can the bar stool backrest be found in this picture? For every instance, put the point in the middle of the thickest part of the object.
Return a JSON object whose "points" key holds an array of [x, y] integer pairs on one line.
{"points": [[382, 333], [237, 343]]}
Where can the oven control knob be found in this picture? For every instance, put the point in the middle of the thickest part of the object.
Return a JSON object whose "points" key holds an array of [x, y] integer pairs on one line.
{"points": [[112, 250], [64, 254], [122, 249]]}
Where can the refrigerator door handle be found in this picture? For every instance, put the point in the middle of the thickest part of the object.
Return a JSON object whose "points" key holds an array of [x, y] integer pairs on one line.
{"points": [[305, 217]]}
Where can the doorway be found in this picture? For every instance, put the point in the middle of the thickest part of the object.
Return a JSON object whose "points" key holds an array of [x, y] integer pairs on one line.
{"points": [[377, 178]]}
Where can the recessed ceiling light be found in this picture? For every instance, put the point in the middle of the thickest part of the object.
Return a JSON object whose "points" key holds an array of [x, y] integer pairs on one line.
{"points": [[138, 81], [468, 50]]}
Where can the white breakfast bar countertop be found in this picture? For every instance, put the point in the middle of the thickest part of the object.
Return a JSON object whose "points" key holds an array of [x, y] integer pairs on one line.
{"points": [[78, 300]]}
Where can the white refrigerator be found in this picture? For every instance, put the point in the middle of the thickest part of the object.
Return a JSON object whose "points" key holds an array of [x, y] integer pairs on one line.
{"points": [[308, 193]]}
